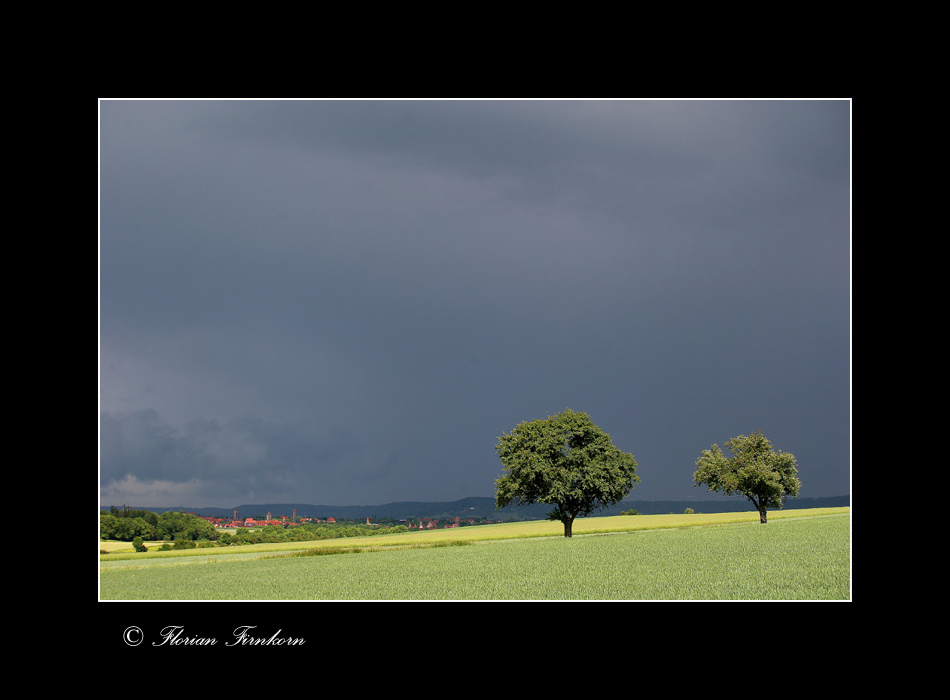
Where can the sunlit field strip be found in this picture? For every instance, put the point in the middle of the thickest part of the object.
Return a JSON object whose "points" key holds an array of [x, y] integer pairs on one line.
{"points": [[533, 528], [788, 559]]}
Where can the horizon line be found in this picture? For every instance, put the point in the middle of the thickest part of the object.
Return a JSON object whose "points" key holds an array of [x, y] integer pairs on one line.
{"points": [[379, 505]]}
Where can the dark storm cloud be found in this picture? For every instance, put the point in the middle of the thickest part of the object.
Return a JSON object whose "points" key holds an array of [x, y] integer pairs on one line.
{"points": [[236, 458], [347, 302]]}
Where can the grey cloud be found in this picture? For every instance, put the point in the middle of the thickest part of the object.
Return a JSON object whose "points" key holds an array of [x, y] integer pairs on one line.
{"points": [[235, 458], [382, 288]]}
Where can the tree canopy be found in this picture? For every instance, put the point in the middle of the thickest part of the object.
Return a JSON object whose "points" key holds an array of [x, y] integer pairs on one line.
{"points": [[764, 476], [565, 461], [170, 525]]}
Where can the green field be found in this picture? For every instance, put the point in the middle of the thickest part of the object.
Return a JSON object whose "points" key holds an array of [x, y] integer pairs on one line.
{"points": [[798, 555]]}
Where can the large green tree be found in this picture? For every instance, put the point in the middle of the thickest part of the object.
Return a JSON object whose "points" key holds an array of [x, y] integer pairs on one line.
{"points": [[565, 461], [755, 470]]}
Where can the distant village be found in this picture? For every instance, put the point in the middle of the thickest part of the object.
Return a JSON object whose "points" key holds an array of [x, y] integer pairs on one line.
{"points": [[286, 521]]}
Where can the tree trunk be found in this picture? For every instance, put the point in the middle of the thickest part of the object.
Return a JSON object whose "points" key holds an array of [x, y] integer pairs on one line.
{"points": [[568, 525], [759, 506]]}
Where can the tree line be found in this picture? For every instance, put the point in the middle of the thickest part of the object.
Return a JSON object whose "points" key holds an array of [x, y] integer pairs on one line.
{"points": [[127, 524], [304, 533], [187, 530]]}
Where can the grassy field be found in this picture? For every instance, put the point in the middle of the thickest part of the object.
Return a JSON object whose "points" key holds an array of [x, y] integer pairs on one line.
{"points": [[798, 555]]}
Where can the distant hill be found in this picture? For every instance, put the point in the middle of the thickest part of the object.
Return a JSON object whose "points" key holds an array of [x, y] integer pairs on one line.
{"points": [[484, 507]]}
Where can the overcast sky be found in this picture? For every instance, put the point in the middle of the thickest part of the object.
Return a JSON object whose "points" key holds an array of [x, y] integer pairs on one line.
{"points": [[347, 302]]}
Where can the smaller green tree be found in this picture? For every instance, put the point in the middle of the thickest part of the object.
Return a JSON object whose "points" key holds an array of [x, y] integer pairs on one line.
{"points": [[138, 545], [764, 476]]}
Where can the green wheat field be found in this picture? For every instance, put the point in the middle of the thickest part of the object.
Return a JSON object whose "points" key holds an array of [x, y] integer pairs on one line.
{"points": [[798, 555]]}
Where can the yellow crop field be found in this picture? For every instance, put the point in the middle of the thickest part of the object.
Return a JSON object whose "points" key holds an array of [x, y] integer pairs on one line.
{"points": [[500, 531]]}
